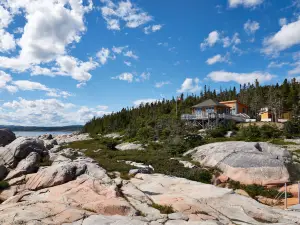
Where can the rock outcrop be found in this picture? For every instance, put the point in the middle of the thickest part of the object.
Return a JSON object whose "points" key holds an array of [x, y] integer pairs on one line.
{"points": [[129, 146], [19, 149], [6, 137], [246, 162], [28, 165]]}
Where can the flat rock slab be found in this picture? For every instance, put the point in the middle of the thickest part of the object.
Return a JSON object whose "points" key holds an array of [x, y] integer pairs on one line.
{"points": [[194, 198], [129, 146], [246, 162]]}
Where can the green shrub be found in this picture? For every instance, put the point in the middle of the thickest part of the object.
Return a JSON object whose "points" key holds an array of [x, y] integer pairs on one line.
{"points": [[268, 131], [3, 185], [292, 128], [217, 132], [164, 209], [249, 133], [145, 134]]}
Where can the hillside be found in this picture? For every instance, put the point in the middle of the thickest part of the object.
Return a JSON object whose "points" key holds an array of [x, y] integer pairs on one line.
{"points": [[159, 120]]}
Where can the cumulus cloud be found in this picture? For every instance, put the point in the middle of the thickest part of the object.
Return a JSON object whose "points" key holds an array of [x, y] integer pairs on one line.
{"points": [[251, 27], [46, 112], [119, 50], [287, 37], [68, 66], [217, 37], [125, 77], [217, 59], [103, 55], [57, 28], [144, 101], [7, 41], [152, 29], [125, 12], [245, 3], [190, 85], [241, 78], [4, 79], [162, 83], [211, 40]]}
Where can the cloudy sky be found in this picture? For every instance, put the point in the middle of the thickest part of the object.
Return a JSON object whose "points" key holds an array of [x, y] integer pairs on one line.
{"points": [[64, 61]]}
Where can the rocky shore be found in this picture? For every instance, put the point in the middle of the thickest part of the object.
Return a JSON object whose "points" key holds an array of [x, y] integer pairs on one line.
{"points": [[48, 184]]}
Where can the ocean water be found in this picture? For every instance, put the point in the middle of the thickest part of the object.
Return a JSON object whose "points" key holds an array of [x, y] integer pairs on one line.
{"points": [[38, 133]]}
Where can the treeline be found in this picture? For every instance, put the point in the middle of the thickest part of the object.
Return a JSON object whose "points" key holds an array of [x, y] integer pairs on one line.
{"points": [[158, 120], [46, 129]]}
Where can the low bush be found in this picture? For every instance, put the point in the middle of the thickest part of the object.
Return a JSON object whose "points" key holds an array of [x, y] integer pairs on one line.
{"points": [[292, 128], [268, 131], [164, 209], [255, 133]]}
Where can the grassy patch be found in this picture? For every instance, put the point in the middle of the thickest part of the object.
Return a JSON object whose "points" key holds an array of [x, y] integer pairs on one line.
{"points": [[164, 209], [282, 142], [155, 155], [3, 185], [256, 190], [45, 162]]}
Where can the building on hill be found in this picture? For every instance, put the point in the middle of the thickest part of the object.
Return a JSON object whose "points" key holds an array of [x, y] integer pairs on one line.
{"points": [[211, 113], [267, 115], [232, 107]]}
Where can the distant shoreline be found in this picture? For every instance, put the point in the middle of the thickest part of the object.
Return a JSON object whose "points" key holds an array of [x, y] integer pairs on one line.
{"points": [[72, 128]]}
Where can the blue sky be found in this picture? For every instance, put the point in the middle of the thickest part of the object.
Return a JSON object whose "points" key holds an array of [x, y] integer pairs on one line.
{"points": [[64, 61]]}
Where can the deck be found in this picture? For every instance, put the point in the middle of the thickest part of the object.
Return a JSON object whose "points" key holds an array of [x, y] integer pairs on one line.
{"points": [[208, 116]]}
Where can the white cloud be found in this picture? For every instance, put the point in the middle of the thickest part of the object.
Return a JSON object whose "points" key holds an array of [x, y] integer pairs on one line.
{"points": [[124, 11], [130, 54], [241, 78], [235, 40], [152, 29], [57, 29], [282, 21], [127, 63], [103, 55], [26, 85], [287, 37], [119, 50], [125, 77], [190, 85], [68, 66], [4, 79], [162, 83], [5, 18], [245, 3], [295, 71], [218, 58], [144, 101], [277, 64], [211, 40], [217, 37], [7, 41], [251, 27], [144, 76], [46, 112]]}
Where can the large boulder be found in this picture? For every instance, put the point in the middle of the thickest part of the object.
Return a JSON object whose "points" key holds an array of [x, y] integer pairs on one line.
{"points": [[19, 149], [28, 165], [6, 137], [247, 162], [52, 176]]}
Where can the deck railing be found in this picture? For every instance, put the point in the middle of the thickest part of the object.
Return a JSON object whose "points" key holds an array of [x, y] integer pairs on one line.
{"points": [[204, 116]]}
